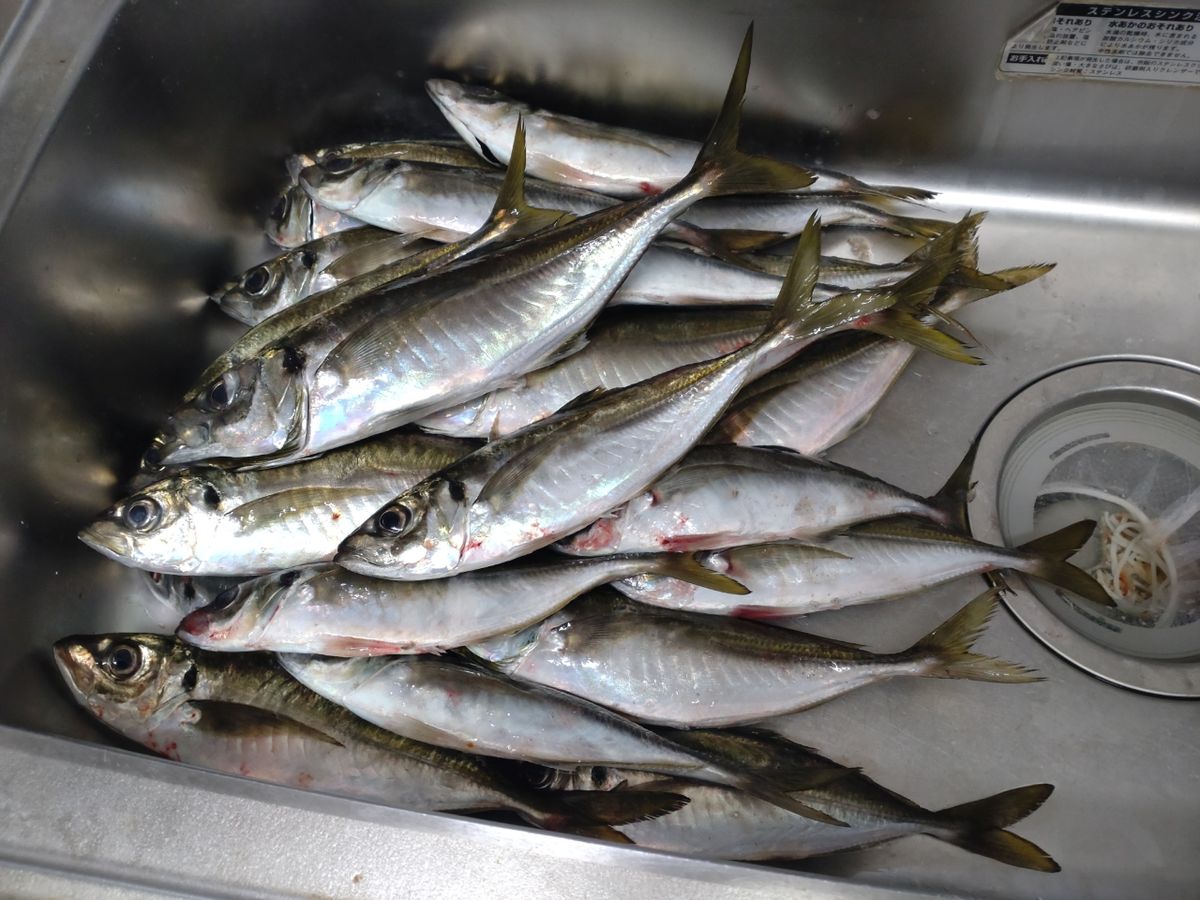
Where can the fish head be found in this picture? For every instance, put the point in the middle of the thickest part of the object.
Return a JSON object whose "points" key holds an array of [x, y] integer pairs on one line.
{"points": [[125, 679], [420, 534], [341, 182], [253, 409], [331, 676], [237, 616], [267, 288], [163, 525], [290, 217], [484, 118]]}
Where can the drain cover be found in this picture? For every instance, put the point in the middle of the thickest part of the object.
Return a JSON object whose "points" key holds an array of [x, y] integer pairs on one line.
{"points": [[1116, 440]]}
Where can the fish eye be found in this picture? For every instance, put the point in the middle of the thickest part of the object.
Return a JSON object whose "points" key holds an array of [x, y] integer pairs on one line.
{"points": [[152, 458], [220, 395], [394, 519], [212, 499], [123, 660], [256, 280], [142, 514], [308, 259], [337, 165], [224, 599]]}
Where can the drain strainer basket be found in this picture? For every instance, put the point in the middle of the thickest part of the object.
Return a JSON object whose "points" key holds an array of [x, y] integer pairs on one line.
{"points": [[1116, 440]]}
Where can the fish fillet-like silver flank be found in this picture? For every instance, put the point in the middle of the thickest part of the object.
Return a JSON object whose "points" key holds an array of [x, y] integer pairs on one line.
{"points": [[330, 611], [378, 362], [872, 562], [624, 347], [692, 671], [723, 823], [265, 289], [511, 219], [620, 162], [824, 396], [465, 707], [245, 716], [561, 474], [295, 219], [726, 496], [210, 521]]}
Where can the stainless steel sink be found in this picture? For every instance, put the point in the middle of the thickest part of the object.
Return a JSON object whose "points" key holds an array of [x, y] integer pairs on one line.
{"points": [[142, 155]]}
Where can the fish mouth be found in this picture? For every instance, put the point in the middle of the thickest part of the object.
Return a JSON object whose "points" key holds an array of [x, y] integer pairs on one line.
{"points": [[436, 87], [106, 538], [74, 664]]}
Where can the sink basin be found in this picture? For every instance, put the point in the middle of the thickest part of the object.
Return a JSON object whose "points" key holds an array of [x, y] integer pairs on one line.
{"points": [[141, 151]]}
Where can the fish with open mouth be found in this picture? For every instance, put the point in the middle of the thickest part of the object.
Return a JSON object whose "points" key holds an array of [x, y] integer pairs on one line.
{"points": [[244, 715]]}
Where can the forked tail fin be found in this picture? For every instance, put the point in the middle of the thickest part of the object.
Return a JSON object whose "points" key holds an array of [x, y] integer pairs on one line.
{"points": [[947, 649], [979, 827]]}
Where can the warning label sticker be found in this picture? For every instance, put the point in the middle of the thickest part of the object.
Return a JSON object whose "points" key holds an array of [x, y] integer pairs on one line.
{"points": [[1124, 42]]}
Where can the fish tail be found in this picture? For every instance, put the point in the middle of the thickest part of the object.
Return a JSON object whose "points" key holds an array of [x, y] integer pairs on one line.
{"points": [[999, 281], [947, 649], [979, 827], [729, 243], [687, 567], [1047, 559], [913, 226], [723, 169]]}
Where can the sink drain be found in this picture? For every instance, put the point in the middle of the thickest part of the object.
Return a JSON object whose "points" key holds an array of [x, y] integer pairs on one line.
{"points": [[1116, 440]]}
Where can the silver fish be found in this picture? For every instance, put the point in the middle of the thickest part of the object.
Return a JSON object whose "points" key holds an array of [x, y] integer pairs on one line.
{"points": [[210, 521], [725, 496], [824, 396], [328, 610], [295, 219], [471, 709], [565, 472], [319, 265], [620, 162], [623, 347], [873, 562], [444, 153], [722, 823], [695, 671], [365, 367], [245, 716]]}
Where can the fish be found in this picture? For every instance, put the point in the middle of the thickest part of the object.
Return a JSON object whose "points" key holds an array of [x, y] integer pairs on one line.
{"points": [[244, 715], [867, 564], [440, 152], [213, 521], [364, 367], [620, 162], [557, 476], [724, 823], [448, 202], [624, 347], [265, 289], [466, 707], [327, 610], [721, 496], [828, 393], [511, 219], [295, 219], [685, 670]]}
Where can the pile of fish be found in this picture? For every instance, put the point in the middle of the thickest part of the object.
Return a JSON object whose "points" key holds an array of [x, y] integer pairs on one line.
{"points": [[455, 525]]}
